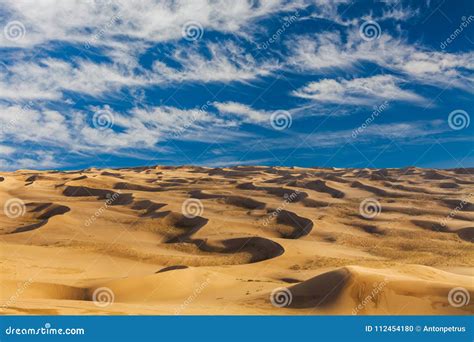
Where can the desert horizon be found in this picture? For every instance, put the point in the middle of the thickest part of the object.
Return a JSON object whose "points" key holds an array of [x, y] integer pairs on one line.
{"points": [[244, 240]]}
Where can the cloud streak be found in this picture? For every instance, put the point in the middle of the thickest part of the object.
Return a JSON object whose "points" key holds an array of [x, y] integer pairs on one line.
{"points": [[358, 91]]}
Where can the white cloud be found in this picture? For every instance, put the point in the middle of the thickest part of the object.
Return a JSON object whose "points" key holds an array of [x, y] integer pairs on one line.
{"points": [[329, 10], [246, 113], [139, 128], [6, 150], [358, 91], [48, 78], [91, 23], [226, 63], [405, 130], [229, 162], [44, 136], [337, 12], [122, 31], [401, 132], [399, 13], [36, 161], [328, 50], [147, 20], [21, 124]]}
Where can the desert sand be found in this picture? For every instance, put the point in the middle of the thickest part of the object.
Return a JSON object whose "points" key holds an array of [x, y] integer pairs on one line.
{"points": [[242, 240]]}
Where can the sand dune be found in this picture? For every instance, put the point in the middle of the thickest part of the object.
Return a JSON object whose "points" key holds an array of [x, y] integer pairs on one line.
{"points": [[242, 240]]}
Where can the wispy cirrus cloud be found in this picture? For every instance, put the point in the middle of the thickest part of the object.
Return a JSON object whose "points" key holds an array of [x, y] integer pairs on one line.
{"points": [[244, 112], [49, 78], [331, 51], [103, 130], [123, 31], [79, 21], [223, 62], [358, 91], [337, 11], [400, 132]]}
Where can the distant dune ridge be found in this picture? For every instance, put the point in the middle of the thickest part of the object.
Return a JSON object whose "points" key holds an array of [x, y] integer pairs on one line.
{"points": [[240, 240]]}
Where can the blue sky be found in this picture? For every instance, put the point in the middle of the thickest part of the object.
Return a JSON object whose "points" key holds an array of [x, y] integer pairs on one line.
{"points": [[218, 83]]}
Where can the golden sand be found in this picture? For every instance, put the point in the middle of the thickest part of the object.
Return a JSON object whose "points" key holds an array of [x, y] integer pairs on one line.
{"points": [[192, 240]]}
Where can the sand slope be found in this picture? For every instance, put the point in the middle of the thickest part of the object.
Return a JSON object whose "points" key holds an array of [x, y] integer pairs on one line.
{"points": [[243, 240]]}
